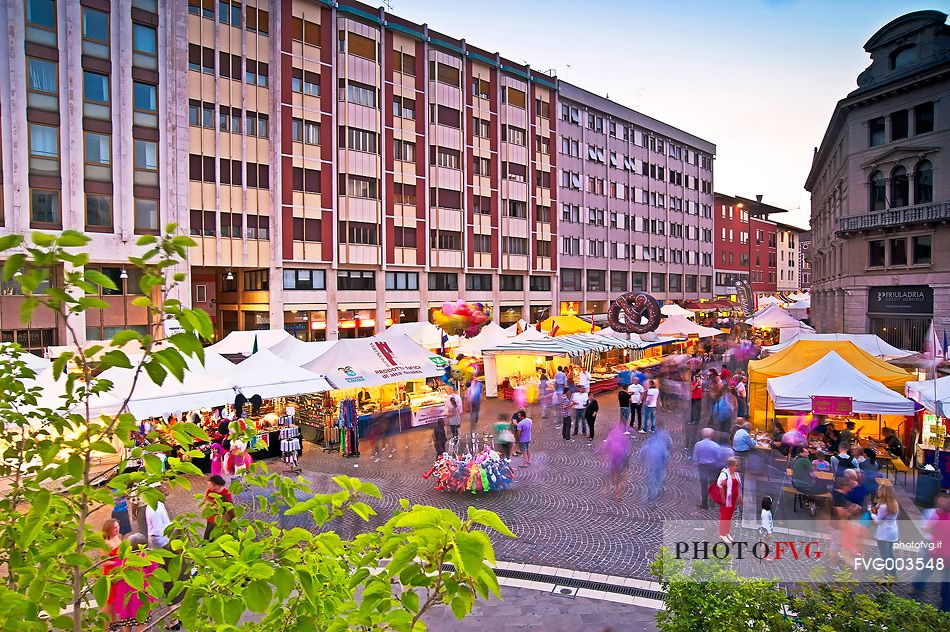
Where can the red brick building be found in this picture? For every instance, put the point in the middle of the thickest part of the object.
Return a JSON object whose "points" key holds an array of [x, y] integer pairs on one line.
{"points": [[745, 245]]}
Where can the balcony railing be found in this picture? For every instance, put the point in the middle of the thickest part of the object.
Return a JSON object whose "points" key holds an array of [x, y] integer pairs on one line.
{"points": [[903, 216]]}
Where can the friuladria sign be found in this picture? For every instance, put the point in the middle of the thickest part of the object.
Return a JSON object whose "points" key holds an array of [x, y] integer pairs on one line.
{"points": [[901, 299]]}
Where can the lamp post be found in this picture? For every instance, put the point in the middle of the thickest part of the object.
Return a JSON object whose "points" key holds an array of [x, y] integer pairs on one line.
{"points": [[124, 277]]}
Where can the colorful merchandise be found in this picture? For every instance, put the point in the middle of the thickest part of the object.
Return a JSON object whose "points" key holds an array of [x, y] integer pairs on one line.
{"points": [[462, 319], [486, 471], [349, 429]]}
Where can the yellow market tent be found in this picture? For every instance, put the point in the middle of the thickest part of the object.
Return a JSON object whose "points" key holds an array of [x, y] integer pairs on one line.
{"points": [[567, 324], [805, 353]]}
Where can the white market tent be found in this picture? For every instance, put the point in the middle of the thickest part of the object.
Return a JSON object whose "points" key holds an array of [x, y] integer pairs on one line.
{"points": [[833, 376], [425, 334], [529, 334], [491, 335], [375, 361], [774, 317], [672, 309], [871, 343], [769, 300], [642, 342], [242, 342], [682, 327], [513, 329], [35, 363], [269, 376], [300, 353], [934, 395], [799, 309]]}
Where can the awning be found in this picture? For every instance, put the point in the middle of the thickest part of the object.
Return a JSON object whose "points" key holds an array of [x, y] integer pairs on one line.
{"points": [[375, 361], [242, 342], [871, 343], [680, 326], [573, 345], [934, 395]]}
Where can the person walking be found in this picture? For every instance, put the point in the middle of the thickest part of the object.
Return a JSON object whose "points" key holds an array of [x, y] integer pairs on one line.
{"points": [[695, 406], [742, 401], [453, 411], [650, 402], [743, 445], [524, 438], [623, 401], [474, 395], [158, 522], [438, 437], [616, 450], [560, 380], [217, 491], [730, 489], [579, 400], [884, 513], [584, 379], [504, 437], [706, 455], [590, 415], [655, 456], [636, 391], [566, 408]]}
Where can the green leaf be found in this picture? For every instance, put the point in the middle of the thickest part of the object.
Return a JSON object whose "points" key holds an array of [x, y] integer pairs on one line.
{"points": [[471, 552], [257, 596], [402, 558], [91, 302], [283, 580], [146, 240], [410, 601], [34, 521], [13, 265], [156, 372], [459, 608], [363, 510], [188, 344], [113, 358], [489, 519], [142, 301], [100, 590], [43, 240], [94, 276], [72, 239], [124, 337], [10, 241]]}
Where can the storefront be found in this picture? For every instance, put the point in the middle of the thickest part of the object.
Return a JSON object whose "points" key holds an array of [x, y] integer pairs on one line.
{"points": [[932, 425], [308, 325], [901, 314]]}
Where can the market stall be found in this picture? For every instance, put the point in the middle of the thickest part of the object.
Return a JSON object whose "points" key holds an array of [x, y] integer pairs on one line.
{"points": [[871, 343], [805, 353], [491, 335], [931, 424], [776, 318], [672, 309], [299, 353], [247, 342], [566, 325], [425, 334], [682, 327]]}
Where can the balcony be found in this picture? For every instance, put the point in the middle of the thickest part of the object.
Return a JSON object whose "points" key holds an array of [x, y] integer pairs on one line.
{"points": [[895, 217]]}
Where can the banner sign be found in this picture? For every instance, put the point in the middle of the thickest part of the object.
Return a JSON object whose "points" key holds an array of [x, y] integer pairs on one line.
{"points": [[827, 405], [901, 300]]}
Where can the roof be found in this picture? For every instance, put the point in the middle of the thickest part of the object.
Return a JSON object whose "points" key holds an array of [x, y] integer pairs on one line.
{"points": [[679, 326], [242, 342], [567, 324], [870, 343], [573, 345]]}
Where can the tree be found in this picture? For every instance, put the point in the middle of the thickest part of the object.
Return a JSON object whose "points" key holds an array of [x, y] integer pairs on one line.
{"points": [[51, 558]]}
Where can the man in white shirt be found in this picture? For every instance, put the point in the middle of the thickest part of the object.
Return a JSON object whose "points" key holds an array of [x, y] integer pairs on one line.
{"points": [[579, 401], [157, 521], [636, 391], [650, 403], [584, 380]]}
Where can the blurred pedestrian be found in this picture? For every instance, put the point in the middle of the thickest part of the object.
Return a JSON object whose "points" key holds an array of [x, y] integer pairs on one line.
{"points": [[560, 380], [579, 400], [706, 455], [616, 450], [566, 408], [524, 438], [158, 522], [655, 456], [475, 389], [504, 437], [650, 401], [730, 488], [438, 437], [623, 401], [453, 411], [120, 513], [590, 415]]}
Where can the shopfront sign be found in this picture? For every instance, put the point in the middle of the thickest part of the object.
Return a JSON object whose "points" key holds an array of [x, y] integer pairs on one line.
{"points": [[899, 300], [827, 405]]}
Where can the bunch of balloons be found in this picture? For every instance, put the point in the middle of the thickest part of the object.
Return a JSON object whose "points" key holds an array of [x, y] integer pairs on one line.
{"points": [[462, 319], [466, 369]]}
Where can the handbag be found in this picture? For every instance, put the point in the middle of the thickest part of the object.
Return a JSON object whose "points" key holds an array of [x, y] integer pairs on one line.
{"points": [[715, 493], [506, 436]]}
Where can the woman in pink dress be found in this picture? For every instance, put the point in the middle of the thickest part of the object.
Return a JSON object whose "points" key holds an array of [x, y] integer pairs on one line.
{"points": [[124, 601], [730, 486], [216, 458]]}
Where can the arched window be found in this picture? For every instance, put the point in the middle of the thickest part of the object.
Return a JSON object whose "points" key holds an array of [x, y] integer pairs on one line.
{"points": [[924, 182], [903, 56], [900, 187], [878, 201]]}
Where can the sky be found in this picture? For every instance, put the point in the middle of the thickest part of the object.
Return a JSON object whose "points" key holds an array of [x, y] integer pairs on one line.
{"points": [[759, 78]]}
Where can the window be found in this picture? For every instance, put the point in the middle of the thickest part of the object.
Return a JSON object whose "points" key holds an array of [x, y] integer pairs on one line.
{"points": [[258, 20], [359, 233], [44, 207], [657, 282], [358, 93], [444, 115], [98, 211], [355, 280], [359, 139], [404, 237], [359, 186], [204, 8], [876, 131], [481, 166], [570, 280], [305, 82], [676, 283], [924, 118], [229, 13], [41, 22], [444, 281], [478, 282], [923, 182], [513, 97], [402, 280], [481, 128], [300, 279], [876, 253], [898, 251], [877, 193], [903, 56], [511, 283], [305, 31], [445, 239], [95, 33], [404, 193], [146, 162], [444, 157], [359, 45], [481, 243], [899, 125], [921, 247], [481, 88], [144, 104], [512, 134], [900, 187], [691, 282], [44, 149], [443, 73], [404, 63], [307, 229], [517, 209], [406, 151], [258, 124], [201, 168], [258, 227], [404, 108], [596, 280], [307, 132], [98, 156], [539, 284], [514, 245], [96, 92], [618, 281], [42, 84], [256, 73], [146, 215], [705, 283], [144, 46], [232, 225], [257, 280]]}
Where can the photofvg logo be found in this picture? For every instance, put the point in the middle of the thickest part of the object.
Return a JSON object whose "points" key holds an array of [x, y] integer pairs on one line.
{"points": [[742, 550], [385, 352], [351, 376]]}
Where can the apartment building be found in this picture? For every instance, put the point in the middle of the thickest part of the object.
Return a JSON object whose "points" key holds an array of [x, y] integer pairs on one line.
{"points": [[88, 141], [788, 264], [880, 197], [635, 200], [804, 260]]}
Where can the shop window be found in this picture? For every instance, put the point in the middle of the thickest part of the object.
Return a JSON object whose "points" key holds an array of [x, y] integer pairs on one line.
{"points": [[511, 283], [876, 253], [257, 280], [921, 248], [34, 341], [443, 281]]}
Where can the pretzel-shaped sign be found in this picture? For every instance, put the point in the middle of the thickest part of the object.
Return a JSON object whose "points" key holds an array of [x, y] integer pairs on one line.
{"points": [[635, 306]]}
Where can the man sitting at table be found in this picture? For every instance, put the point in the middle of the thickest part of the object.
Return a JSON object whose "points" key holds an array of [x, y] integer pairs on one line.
{"points": [[848, 436], [804, 477], [894, 444], [742, 441]]}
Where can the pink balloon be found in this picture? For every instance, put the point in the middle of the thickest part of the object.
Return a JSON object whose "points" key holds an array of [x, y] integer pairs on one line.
{"points": [[448, 309]]}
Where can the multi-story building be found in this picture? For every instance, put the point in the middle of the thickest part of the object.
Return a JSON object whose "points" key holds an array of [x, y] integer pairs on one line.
{"points": [[789, 255], [804, 260], [880, 203], [635, 205]]}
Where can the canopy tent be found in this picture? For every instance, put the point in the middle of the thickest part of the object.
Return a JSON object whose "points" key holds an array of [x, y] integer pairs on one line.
{"points": [[832, 376], [672, 309], [513, 329], [35, 363], [800, 296], [299, 353], [869, 342], [425, 334], [769, 300], [242, 342], [642, 342], [803, 354], [567, 324], [934, 395], [774, 317], [269, 376], [491, 335], [375, 361], [530, 334], [681, 327], [799, 309]]}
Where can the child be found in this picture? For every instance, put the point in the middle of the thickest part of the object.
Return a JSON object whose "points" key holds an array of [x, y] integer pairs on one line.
{"points": [[765, 521], [820, 464]]}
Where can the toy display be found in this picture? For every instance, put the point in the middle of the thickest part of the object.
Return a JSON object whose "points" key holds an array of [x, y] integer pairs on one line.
{"points": [[462, 319], [486, 471], [635, 306]]}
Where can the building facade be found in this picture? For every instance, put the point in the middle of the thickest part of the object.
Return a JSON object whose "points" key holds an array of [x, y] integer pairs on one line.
{"points": [[789, 255], [634, 202], [880, 191], [804, 260]]}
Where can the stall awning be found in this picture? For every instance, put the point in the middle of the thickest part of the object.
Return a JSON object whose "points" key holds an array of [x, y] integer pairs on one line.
{"points": [[423, 333], [777, 318], [242, 342], [269, 376], [934, 395], [832, 376], [672, 309], [375, 361], [298, 352], [680, 326], [566, 325], [573, 345], [871, 343]]}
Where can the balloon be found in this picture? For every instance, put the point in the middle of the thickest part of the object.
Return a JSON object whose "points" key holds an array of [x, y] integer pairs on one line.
{"points": [[448, 309], [459, 318]]}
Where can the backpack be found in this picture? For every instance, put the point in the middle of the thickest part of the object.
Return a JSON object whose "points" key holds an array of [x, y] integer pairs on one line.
{"points": [[847, 463]]}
